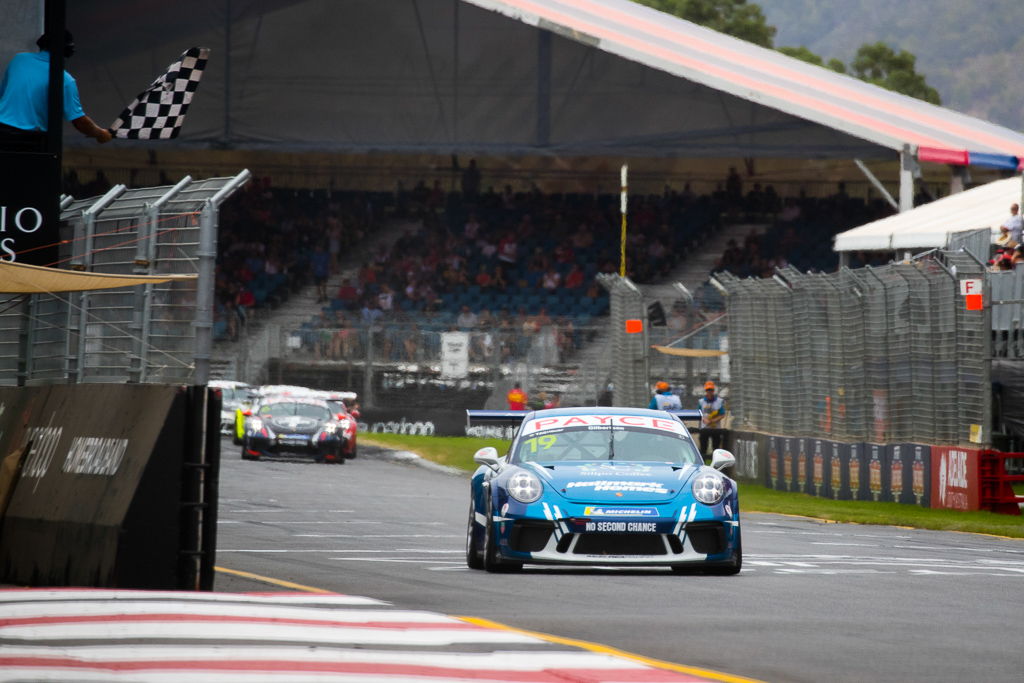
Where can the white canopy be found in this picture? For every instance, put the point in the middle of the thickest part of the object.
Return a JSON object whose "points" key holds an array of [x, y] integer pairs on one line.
{"points": [[930, 225]]}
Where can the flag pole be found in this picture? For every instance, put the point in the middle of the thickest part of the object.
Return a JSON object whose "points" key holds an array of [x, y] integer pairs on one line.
{"points": [[622, 209]]}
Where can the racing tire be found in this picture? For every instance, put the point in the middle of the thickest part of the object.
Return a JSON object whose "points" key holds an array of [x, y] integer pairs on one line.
{"points": [[474, 554], [733, 565], [492, 560], [245, 454]]}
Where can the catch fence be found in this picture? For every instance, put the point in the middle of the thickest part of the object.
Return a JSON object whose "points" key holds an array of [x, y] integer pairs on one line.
{"points": [[151, 333], [882, 355]]}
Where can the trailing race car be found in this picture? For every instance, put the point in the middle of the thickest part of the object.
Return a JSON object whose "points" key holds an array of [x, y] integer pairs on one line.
{"points": [[602, 486], [293, 424], [339, 402], [234, 396]]}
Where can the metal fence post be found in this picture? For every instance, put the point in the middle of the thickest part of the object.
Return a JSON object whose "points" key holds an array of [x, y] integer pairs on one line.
{"points": [[204, 288]]}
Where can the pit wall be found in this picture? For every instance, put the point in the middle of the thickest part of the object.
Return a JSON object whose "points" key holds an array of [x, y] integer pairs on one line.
{"points": [[908, 473], [111, 486]]}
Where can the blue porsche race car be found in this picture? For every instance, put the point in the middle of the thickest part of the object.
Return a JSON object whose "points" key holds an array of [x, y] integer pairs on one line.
{"points": [[602, 486]]}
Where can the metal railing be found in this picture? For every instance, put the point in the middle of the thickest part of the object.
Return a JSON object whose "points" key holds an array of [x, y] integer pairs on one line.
{"points": [[155, 333], [882, 355]]}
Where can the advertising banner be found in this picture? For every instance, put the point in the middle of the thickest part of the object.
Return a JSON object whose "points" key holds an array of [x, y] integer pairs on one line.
{"points": [[857, 472], [909, 473], [787, 445], [774, 470], [805, 472], [454, 354], [746, 446], [819, 468], [836, 469], [955, 484], [877, 474]]}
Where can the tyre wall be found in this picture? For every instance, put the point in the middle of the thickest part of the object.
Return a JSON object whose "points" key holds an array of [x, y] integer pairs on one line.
{"points": [[909, 473], [116, 488]]}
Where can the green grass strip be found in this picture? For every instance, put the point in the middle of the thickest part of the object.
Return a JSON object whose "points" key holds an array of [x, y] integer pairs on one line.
{"points": [[457, 451]]}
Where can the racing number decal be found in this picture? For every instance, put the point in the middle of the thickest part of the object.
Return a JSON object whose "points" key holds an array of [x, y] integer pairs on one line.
{"points": [[546, 442]]}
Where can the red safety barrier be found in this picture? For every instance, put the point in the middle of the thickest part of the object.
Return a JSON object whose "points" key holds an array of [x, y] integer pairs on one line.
{"points": [[997, 492]]}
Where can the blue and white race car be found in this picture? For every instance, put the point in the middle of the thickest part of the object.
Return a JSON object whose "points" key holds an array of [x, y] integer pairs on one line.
{"points": [[602, 486]]}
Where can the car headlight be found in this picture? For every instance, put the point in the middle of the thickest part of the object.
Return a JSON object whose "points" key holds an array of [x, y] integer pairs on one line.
{"points": [[708, 488], [524, 487]]}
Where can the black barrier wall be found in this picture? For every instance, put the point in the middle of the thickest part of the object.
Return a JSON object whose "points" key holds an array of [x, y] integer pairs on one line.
{"points": [[833, 469], [110, 485]]}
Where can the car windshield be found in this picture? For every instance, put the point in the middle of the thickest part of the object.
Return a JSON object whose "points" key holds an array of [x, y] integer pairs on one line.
{"points": [[607, 443], [233, 394], [320, 412], [337, 407]]}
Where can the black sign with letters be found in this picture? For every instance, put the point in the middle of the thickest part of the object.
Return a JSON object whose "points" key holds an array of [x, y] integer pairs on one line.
{"points": [[29, 208]]}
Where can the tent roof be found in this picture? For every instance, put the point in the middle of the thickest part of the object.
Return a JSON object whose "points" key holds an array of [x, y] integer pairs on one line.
{"points": [[498, 77], [762, 75], [930, 225], [21, 278]]}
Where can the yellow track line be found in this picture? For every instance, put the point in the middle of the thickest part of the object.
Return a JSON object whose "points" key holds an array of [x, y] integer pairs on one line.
{"points": [[267, 579], [487, 623], [604, 649]]}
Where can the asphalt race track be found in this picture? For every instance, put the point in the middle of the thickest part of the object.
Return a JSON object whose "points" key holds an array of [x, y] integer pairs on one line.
{"points": [[815, 601]]}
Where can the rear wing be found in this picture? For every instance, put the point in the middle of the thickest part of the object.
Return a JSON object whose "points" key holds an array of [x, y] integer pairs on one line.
{"points": [[514, 417], [502, 424], [685, 415]]}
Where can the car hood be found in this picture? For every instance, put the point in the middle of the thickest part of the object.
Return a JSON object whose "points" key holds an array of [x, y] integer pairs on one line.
{"points": [[619, 483], [294, 424]]}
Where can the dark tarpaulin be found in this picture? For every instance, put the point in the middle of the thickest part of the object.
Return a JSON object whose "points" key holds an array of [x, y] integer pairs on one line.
{"points": [[1008, 398]]}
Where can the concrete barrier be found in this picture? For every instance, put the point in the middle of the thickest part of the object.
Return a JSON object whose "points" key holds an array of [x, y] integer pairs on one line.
{"points": [[117, 486]]}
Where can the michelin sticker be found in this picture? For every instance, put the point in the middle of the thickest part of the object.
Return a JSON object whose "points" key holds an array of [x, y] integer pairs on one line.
{"points": [[597, 511]]}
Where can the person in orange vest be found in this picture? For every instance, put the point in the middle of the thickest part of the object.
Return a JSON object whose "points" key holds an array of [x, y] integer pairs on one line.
{"points": [[516, 398]]}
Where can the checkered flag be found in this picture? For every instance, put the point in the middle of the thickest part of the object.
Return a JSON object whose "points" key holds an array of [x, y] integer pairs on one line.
{"points": [[158, 112]]}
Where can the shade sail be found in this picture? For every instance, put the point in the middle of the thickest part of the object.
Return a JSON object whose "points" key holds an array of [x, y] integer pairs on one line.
{"points": [[688, 353], [20, 278], [931, 225]]}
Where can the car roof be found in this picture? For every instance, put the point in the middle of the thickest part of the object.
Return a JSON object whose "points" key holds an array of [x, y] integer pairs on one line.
{"points": [[595, 410], [311, 400]]}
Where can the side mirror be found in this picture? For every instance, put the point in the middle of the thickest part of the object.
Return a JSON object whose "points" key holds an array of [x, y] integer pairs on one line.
{"points": [[722, 459], [488, 456]]}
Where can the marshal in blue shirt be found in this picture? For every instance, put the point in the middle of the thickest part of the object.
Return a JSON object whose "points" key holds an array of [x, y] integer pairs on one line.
{"points": [[23, 92]]}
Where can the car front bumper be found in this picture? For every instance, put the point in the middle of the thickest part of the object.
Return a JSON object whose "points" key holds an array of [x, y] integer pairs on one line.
{"points": [[654, 535]]}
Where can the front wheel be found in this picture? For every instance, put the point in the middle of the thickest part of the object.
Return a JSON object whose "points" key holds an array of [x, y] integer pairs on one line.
{"points": [[734, 564], [493, 562], [474, 554], [245, 453]]}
